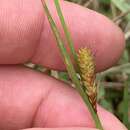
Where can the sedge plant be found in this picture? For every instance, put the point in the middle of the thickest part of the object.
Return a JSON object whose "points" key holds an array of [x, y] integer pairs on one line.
{"points": [[85, 85]]}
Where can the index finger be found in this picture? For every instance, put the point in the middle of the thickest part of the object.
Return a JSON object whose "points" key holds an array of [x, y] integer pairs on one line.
{"points": [[26, 35]]}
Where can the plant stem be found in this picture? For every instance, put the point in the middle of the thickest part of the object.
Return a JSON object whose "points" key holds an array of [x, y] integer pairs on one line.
{"points": [[70, 67], [66, 31]]}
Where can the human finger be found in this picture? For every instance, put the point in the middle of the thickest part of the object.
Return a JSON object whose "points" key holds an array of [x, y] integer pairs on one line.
{"points": [[30, 99], [26, 35]]}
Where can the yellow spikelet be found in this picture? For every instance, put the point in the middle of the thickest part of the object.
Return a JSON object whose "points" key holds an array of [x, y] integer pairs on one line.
{"points": [[87, 69]]}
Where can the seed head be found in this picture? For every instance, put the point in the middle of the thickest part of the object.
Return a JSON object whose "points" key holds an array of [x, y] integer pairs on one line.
{"points": [[87, 70]]}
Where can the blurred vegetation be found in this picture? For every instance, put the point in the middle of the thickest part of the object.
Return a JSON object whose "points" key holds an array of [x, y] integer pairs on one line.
{"points": [[114, 90]]}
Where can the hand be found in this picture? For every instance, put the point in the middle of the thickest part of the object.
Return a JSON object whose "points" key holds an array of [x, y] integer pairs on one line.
{"points": [[30, 99]]}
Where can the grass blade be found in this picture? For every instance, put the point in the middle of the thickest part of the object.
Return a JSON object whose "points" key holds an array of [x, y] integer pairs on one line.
{"points": [[66, 31], [126, 102]]}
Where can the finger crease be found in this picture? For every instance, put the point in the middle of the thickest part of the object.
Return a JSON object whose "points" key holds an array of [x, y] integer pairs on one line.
{"points": [[43, 99]]}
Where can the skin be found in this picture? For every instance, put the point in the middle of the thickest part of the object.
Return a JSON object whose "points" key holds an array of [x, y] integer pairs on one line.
{"points": [[30, 99]]}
